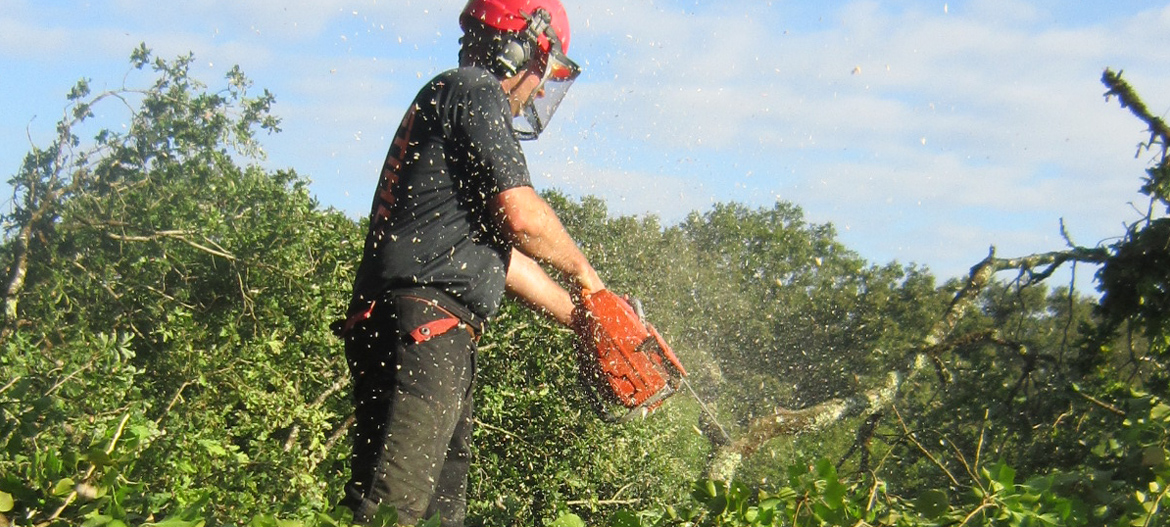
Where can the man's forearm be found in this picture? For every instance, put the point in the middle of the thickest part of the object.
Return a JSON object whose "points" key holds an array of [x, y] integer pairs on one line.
{"points": [[528, 283], [537, 232]]}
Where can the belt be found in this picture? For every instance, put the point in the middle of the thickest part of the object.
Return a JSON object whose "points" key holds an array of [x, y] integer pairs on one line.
{"points": [[422, 333], [435, 328]]}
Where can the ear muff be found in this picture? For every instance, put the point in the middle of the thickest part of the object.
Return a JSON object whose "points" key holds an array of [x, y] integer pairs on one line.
{"points": [[511, 55], [512, 51]]}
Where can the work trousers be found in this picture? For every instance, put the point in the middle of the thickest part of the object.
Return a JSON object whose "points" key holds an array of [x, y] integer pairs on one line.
{"points": [[413, 414]]}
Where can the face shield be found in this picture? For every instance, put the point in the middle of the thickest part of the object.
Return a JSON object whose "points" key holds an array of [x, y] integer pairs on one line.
{"points": [[559, 74]]}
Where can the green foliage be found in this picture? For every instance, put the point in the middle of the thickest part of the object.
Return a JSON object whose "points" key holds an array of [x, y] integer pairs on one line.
{"points": [[166, 288], [1134, 284], [762, 306], [539, 449], [165, 358], [815, 495]]}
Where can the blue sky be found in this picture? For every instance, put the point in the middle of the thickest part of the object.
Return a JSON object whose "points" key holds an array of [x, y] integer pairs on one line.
{"points": [[925, 131]]}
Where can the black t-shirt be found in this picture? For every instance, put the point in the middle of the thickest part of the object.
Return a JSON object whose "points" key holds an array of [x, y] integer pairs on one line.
{"points": [[429, 224]]}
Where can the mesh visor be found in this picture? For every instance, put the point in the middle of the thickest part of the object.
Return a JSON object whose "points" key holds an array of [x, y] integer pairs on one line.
{"points": [[559, 74]]}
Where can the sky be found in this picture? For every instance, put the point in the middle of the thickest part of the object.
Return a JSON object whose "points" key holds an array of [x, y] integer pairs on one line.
{"points": [[925, 131]]}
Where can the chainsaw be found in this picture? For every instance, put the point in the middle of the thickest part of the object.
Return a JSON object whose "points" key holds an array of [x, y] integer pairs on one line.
{"points": [[625, 364]]}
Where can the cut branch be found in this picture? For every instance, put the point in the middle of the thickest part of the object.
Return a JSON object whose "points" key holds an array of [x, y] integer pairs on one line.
{"points": [[179, 235], [785, 422], [341, 382]]}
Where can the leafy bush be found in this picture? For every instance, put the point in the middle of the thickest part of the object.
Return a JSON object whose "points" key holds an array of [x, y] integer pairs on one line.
{"points": [[165, 358]]}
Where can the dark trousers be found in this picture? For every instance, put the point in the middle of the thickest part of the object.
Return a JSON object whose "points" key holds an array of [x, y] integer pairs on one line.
{"points": [[413, 411]]}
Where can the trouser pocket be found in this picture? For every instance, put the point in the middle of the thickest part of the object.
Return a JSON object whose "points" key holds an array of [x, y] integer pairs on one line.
{"points": [[413, 373]]}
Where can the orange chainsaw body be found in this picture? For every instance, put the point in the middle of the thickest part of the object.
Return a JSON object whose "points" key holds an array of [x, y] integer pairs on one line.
{"points": [[623, 359]]}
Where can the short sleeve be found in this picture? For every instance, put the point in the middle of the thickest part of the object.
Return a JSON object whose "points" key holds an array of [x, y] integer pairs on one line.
{"points": [[482, 127]]}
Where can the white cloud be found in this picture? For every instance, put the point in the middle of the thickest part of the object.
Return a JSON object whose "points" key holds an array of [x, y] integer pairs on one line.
{"points": [[899, 122], [19, 40], [625, 192], [995, 112]]}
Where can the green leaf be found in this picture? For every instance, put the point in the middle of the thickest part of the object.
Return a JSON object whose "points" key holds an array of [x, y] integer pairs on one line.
{"points": [[263, 520], [932, 504], [825, 469], [787, 494], [1160, 411], [97, 520], [621, 519], [213, 447], [1050, 518], [385, 516], [834, 494], [6, 502], [717, 505], [569, 519], [1006, 476], [98, 457], [63, 487], [176, 521], [1153, 456]]}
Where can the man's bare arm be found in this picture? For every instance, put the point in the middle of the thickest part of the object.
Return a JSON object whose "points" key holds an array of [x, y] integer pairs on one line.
{"points": [[528, 283], [536, 231]]}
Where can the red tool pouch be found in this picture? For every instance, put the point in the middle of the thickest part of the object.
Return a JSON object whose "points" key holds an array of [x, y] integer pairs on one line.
{"points": [[433, 329]]}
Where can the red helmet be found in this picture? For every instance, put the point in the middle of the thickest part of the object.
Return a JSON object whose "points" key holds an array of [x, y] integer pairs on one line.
{"points": [[541, 24], [513, 15]]}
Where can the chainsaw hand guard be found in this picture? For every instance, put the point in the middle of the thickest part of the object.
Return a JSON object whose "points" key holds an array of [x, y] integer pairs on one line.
{"points": [[623, 361]]}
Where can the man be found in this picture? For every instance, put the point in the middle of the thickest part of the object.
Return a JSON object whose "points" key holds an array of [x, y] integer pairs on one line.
{"points": [[455, 224]]}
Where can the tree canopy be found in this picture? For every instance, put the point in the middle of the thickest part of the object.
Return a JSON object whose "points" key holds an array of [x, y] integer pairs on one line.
{"points": [[165, 357]]}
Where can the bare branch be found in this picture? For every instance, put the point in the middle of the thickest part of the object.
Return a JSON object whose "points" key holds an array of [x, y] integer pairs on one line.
{"points": [[1115, 410], [910, 435], [9, 385], [332, 441], [1159, 131], [341, 382], [633, 501], [176, 235], [178, 395], [502, 431]]}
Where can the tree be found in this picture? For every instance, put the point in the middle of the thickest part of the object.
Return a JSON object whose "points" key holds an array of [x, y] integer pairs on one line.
{"points": [[1079, 395], [165, 331], [164, 354]]}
